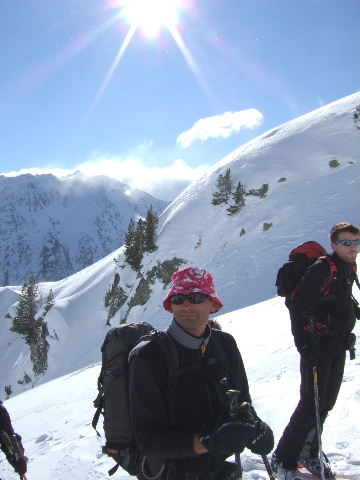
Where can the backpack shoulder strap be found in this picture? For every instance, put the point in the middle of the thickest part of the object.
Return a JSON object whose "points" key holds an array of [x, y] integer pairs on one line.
{"points": [[357, 280], [220, 348], [325, 289]]}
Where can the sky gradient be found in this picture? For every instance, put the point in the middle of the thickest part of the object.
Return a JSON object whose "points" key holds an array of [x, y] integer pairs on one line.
{"points": [[82, 88]]}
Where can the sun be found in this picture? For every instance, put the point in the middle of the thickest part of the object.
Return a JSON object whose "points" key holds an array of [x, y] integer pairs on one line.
{"points": [[150, 16]]}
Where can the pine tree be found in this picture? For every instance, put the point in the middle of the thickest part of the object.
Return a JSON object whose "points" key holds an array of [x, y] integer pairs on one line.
{"points": [[134, 248], [259, 192], [116, 279], [33, 330], [224, 186], [357, 116], [39, 348], [130, 233], [218, 197], [114, 299], [238, 198], [151, 224], [227, 184], [50, 302], [29, 302], [138, 245], [139, 240], [129, 242]]}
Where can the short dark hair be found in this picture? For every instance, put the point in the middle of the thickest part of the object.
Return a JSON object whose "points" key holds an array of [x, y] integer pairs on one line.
{"points": [[341, 228], [214, 324]]}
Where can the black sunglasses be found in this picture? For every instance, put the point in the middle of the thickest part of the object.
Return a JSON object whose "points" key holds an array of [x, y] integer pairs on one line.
{"points": [[194, 298], [349, 243]]}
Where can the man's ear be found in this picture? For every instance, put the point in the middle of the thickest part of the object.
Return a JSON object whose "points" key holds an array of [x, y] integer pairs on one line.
{"points": [[214, 306]]}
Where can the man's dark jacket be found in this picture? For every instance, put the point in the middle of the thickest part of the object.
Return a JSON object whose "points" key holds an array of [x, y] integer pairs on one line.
{"points": [[200, 398], [334, 311], [5, 422], [5, 425]]}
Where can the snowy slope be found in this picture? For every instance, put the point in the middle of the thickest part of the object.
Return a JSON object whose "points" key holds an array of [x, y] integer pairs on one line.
{"points": [[313, 197], [55, 418]]}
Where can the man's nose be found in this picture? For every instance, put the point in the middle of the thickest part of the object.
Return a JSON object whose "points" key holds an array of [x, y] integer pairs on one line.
{"points": [[186, 302]]}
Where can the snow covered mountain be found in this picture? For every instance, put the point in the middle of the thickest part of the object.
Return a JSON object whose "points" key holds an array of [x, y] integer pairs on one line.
{"points": [[311, 169], [53, 227]]}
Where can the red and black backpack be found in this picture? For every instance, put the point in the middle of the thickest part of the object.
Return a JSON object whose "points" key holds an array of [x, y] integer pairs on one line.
{"points": [[300, 258]]}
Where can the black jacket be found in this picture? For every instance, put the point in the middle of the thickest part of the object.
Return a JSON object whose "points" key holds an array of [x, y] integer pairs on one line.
{"points": [[7, 435], [5, 422], [335, 310], [200, 398], [5, 426]]}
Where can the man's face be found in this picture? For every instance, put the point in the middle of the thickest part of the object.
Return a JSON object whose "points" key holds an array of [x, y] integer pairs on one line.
{"points": [[348, 254], [192, 317]]}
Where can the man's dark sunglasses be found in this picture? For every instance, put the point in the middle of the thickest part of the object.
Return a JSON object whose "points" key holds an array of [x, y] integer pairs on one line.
{"points": [[349, 243], [194, 298]]}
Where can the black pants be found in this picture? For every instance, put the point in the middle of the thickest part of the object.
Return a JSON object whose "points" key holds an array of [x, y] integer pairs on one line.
{"points": [[330, 371]]}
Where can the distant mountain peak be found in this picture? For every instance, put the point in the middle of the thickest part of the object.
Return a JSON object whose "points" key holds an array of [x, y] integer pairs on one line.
{"points": [[90, 223]]}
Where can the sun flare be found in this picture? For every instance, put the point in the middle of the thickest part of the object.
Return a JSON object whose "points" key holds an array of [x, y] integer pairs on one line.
{"points": [[150, 16]]}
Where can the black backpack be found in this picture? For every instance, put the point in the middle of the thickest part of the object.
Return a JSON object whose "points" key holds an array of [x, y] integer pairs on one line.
{"points": [[300, 258], [113, 397]]}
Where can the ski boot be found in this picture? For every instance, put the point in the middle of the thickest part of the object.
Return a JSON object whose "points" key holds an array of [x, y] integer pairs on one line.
{"points": [[312, 465]]}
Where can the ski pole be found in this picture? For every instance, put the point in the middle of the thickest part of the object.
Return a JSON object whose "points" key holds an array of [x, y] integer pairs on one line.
{"points": [[318, 425], [269, 470], [317, 397], [233, 411]]}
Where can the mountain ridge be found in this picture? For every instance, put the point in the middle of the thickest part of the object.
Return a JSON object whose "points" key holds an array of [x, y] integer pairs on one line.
{"points": [[53, 227]]}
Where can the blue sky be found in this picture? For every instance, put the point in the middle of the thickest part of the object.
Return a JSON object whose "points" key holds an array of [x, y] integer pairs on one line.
{"points": [[82, 86]]}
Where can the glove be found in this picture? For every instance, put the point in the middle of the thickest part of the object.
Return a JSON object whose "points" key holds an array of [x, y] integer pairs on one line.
{"points": [[230, 438], [264, 440], [20, 466]]}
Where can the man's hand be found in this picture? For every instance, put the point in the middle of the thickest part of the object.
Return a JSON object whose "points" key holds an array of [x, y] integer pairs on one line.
{"points": [[230, 438], [264, 440], [199, 448]]}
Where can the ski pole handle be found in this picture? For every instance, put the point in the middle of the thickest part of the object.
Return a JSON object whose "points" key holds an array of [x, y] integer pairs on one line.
{"points": [[233, 403], [236, 411], [234, 414]]}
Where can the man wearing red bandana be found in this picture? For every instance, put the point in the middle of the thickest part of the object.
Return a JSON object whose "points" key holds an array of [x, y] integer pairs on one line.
{"points": [[195, 442]]}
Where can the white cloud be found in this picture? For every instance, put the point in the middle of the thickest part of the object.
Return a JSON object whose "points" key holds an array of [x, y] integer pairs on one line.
{"points": [[221, 126], [164, 183]]}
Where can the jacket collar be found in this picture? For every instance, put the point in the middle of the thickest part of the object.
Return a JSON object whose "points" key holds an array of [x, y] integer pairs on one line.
{"points": [[186, 339], [342, 265]]}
